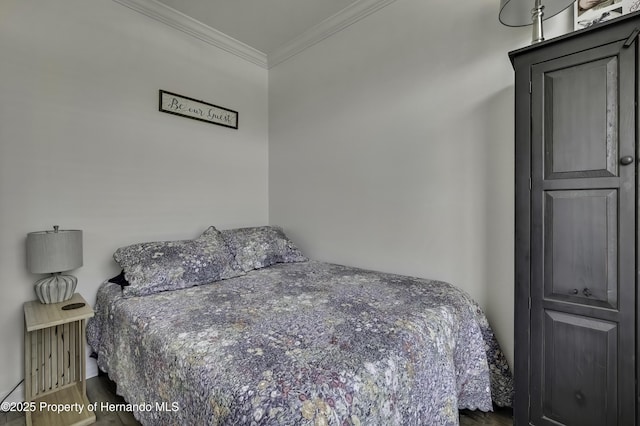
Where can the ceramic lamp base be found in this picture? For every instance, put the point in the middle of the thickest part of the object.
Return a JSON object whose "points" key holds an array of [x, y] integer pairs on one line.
{"points": [[56, 288]]}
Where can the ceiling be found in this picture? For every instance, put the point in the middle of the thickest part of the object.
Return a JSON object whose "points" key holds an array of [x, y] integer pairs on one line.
{"points": [[264, 25]]}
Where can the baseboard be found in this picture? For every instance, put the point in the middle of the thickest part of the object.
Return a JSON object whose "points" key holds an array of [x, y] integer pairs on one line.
{"points": [[92, 368]]}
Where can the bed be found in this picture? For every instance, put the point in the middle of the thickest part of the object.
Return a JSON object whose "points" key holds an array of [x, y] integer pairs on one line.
{"points": [[269, 337]]}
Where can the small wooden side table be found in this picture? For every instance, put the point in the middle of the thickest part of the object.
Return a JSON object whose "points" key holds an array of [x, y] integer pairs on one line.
{"points": [[55, 365]]}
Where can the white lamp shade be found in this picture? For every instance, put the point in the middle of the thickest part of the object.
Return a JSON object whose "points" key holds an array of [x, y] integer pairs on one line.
{"points": [[50, 251], [517, 13]]}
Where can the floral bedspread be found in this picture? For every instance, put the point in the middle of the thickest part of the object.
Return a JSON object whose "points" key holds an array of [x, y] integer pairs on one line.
{"points": [[301, 344]]}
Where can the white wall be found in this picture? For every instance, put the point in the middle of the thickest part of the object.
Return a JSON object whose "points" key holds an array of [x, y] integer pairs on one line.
{"points": [[391, 147], [82, 144]]}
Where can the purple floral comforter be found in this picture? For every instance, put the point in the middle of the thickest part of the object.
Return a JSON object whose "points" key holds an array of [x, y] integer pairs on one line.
{"points": [[301, 344]]}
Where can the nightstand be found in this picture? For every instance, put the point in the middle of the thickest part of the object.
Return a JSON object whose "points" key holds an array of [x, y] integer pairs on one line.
{"points": [[55, 365]]}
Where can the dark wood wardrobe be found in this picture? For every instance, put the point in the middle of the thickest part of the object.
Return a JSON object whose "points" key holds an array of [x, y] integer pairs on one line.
{"points": [[576, 218]]}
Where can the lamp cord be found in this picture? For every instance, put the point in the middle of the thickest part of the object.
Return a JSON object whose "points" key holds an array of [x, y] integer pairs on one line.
{"points": [[12, 390]]}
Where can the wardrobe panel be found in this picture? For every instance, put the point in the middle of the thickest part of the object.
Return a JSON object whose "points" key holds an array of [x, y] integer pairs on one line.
{"points": [[581, 125], [580, 376], [580, 247]]}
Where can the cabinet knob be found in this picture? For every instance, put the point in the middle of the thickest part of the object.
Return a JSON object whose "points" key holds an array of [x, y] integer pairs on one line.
{"points": [[574, 291], [626, 160]]}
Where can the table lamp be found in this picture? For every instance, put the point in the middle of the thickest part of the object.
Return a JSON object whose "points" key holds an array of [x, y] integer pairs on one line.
{"points": [[54, 252], [519, 13]]}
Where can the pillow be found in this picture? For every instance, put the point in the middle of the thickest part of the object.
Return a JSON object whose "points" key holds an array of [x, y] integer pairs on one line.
{"points": [[261, 246], [170, 265]]}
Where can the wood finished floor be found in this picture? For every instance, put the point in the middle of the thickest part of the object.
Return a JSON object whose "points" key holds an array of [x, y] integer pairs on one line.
{"points": [[103, 390]]}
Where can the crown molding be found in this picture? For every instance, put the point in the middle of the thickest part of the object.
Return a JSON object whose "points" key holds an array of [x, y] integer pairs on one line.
{"points": [[169, 16], [178, 20], [341, 20]]}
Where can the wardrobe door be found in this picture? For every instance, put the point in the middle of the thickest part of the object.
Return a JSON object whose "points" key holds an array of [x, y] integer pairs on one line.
{"points": [[582, 369]]}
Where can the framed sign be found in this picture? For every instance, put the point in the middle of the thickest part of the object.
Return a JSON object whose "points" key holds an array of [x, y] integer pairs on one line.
{"points": [[173, 103]]}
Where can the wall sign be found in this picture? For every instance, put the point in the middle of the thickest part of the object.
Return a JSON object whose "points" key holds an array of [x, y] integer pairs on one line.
{"points": [[172, 103]]}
